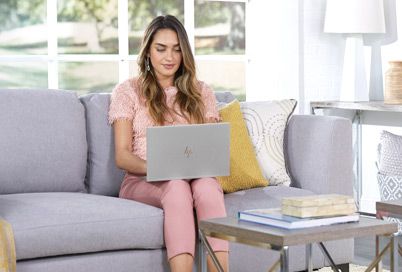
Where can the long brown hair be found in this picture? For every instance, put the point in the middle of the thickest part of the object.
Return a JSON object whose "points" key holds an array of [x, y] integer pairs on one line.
{"points": [[188, 96]]}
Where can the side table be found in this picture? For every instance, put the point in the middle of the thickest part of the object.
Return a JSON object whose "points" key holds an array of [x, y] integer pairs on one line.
{"points": [[234, 230], [392, 208]]}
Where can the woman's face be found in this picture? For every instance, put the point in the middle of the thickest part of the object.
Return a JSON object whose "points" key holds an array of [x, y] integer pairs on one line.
{"points": [[165, 56]]}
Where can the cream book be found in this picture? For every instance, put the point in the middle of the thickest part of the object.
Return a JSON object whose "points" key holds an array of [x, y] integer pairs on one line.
{"points": [[275, 218], [318, 205]]}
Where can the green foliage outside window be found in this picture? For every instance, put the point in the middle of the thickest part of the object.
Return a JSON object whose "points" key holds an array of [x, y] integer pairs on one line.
{"points": [[18, 13]]}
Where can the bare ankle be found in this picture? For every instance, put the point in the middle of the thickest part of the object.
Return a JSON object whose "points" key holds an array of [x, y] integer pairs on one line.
{"points": [[181, 263]]}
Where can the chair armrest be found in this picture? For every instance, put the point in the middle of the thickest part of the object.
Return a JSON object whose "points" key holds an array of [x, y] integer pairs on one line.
{"points": [[319, 154]]}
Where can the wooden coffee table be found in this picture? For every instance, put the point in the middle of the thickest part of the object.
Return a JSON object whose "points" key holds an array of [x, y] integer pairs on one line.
{"points": [[234, 230], [392, 208]]}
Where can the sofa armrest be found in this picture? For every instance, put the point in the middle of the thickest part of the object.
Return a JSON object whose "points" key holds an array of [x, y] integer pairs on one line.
{"points": [[319, 154]]}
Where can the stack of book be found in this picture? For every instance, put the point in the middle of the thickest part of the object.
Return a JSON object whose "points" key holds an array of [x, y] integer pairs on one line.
{"points": [[304, 212]]}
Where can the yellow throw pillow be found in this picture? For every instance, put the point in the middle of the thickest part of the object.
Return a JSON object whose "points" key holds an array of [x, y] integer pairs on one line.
{"points": [[245, 172]]}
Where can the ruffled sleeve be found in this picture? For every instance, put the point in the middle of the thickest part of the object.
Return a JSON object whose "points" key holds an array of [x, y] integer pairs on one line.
{"points": [[122, 102], [211, 109]]}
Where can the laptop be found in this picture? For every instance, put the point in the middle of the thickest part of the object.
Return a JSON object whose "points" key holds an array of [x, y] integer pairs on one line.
{"points": [[188, 151]]}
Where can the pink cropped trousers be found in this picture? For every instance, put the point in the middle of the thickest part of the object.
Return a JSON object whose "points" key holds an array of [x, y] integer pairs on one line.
{"points": [[179, 198]]}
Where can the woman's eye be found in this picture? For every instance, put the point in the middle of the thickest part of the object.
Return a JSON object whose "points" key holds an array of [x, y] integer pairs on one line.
{"points": [[160, 50], [178, 50]]}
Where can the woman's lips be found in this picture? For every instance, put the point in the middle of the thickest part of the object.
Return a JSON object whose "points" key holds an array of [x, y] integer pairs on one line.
{"points": [[168, 66]]}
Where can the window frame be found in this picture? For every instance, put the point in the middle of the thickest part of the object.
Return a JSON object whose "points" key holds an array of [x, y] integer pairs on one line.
{"points": [[53, 58]]}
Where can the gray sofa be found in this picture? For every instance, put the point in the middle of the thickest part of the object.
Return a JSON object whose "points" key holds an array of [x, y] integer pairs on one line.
{"points": [[59, 182]]}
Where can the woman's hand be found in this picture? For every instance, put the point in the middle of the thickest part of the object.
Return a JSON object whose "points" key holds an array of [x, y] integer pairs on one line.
{"points": [[125, 159], [210, 120]]}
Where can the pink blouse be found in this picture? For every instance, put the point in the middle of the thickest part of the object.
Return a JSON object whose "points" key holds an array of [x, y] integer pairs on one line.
{"points": [[126, 103]]}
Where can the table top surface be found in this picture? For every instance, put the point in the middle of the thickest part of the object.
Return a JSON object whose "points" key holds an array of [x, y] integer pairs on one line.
{"points": [[233, 227], [392, 206], [357, 105]]}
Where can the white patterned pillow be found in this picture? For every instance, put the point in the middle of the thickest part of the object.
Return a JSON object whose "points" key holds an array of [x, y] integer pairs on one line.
{"points": [[266, 122], [390, 154]]}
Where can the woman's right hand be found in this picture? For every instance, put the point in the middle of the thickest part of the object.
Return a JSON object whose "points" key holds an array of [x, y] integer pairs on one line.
{"points": [[125, 159]]}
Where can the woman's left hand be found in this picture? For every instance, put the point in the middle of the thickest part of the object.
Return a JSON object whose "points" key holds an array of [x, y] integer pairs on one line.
{"points": [[210, 120]]}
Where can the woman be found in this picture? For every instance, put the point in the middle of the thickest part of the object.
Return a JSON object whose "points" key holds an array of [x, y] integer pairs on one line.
{"points": [[167, 92]]}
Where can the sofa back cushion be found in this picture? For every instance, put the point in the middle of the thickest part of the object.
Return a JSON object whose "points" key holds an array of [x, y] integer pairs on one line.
{"points": [[103, 176], [43, 144]]}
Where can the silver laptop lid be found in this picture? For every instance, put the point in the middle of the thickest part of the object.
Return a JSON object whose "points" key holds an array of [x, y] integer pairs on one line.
{"points": [[188, 151]]}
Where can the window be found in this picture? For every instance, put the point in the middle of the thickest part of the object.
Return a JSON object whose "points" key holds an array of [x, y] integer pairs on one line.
{"points": [[90, 45], [219, 42]]}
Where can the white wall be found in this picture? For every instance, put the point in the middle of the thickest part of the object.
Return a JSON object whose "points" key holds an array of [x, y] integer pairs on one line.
{"points": [[323, 56], [291, 57], [273, 49]]}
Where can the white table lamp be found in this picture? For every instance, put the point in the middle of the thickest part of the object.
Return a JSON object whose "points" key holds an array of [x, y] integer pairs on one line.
{"points": [[354, 18]]}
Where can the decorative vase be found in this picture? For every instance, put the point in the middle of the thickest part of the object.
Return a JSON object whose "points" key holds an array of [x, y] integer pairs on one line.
{"points": [[393, 83]]}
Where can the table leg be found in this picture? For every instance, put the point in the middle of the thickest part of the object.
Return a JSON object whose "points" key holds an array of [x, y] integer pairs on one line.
{"points": [[211, 253], [394, 253], [276, 264], [357, 150], [309, 260], [328, 257], [202, 264], [379, 257], [378, 267], [312, 112], [285, 259]]}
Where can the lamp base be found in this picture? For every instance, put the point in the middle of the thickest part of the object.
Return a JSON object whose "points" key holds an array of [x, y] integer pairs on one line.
{"points": [[376, 90], [354, 82]]}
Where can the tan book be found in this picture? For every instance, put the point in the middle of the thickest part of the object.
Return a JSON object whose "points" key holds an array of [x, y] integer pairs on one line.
{"points": [[318, 205]]}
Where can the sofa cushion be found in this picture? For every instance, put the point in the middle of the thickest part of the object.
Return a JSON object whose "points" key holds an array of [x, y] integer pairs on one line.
{"points": [[42, 141], [49, 224], [224, 97], [318, 153], [109, 261], [245, 172], [103, 176], [266, 122]]}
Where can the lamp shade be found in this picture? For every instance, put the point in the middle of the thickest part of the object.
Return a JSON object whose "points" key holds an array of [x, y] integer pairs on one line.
{"points": [[354, 16]]}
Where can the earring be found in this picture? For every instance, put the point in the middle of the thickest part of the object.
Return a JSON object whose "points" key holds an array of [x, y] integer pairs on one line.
{"points": [[148, 68]]}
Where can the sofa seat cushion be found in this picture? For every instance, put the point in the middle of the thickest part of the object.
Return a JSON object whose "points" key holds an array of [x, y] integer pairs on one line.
{"points": [[49, 224], [260, 198]]}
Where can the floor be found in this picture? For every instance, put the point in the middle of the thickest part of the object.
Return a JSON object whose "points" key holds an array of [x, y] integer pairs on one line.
{"points": [[365, 252]]}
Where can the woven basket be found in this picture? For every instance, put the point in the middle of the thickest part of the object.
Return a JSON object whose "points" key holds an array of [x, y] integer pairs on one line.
{"points": [[391, 189]]}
